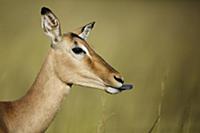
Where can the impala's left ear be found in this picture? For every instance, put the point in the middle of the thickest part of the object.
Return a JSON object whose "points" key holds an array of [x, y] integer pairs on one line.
{"points": [[51, 25], [84, 31]]}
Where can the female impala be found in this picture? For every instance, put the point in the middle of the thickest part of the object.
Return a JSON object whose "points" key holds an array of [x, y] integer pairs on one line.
{"points": [[70, 60]]}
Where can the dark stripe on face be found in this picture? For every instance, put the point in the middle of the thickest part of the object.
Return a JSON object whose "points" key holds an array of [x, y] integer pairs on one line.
{"points": [[75, 35]]}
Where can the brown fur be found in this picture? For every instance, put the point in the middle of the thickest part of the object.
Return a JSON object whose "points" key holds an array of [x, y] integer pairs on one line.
{"points": [[34, 112]]}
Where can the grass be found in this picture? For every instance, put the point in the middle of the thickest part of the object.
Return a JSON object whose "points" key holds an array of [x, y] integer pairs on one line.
{"points": [[153, 44]]}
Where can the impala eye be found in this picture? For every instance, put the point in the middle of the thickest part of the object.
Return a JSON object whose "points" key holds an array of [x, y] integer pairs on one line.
{"points": [[78, 50]]}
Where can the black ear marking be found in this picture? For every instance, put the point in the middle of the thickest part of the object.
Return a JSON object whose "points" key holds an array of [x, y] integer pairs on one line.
{"points": [[90, 25], [82, 29], [45, 10]]}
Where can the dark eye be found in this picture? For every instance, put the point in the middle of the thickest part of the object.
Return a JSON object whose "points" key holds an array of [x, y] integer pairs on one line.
{"points": [[78, 50]]}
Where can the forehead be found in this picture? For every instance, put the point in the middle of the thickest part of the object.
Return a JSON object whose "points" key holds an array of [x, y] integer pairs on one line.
{"points": [[71, 37], [75, 39]]}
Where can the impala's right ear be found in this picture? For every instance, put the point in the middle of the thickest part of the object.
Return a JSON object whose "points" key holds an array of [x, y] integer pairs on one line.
{"points": [[84, 31], [51, 25]]}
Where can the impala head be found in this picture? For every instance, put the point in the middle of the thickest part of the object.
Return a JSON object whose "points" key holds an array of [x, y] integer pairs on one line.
{"points": [[75, 61]]}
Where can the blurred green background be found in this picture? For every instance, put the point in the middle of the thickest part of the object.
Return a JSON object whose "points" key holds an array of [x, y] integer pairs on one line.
{"points": [[155, 45]]}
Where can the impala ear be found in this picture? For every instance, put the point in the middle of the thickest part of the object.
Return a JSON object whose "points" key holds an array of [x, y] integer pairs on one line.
{"points": [[84, 31], [51, 25]]}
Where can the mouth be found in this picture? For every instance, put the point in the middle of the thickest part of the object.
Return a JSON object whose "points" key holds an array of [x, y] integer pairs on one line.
{"points": [[114, 90]]}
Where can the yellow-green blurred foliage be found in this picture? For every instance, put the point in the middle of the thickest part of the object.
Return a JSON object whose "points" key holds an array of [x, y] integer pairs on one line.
{"points": [[155, 45]]}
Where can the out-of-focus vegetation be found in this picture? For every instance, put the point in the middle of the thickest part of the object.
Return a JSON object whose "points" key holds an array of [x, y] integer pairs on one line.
{"points": [[155, 45]]}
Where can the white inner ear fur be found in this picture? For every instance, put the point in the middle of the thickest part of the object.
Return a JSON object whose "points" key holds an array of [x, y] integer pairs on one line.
{"points": [[50, 29], [85, 32]]}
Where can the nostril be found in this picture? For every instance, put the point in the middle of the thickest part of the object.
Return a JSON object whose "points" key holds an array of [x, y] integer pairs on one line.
{"points": [[119, 79]]}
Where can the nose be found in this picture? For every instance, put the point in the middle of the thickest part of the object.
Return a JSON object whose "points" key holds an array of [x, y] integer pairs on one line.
{"points": [[118, 78]]}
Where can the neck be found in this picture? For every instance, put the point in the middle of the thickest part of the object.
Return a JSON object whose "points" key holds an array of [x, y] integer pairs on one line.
{"points": [[35, 111]]}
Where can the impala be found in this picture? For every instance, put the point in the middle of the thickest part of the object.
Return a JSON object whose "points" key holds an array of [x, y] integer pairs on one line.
{"points": [[70, 60]]}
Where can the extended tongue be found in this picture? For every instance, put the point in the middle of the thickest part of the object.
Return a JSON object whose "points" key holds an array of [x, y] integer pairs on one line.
{"points": [[126, 87]]}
